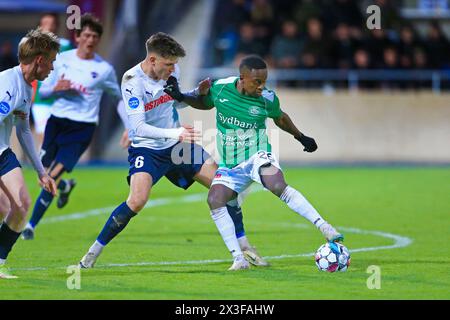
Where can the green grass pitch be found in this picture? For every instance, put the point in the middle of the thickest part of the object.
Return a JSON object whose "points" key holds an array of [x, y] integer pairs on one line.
{"points": [[172, 249]]}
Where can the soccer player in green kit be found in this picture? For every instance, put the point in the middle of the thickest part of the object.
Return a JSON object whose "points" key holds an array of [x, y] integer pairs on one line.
{"points": [[243, 105]]}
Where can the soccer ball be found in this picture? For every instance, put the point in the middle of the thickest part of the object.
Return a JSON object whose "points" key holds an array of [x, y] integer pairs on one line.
{"points": [[332, 257]]}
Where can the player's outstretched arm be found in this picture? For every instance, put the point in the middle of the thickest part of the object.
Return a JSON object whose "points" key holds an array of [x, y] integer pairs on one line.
{"points": [[193, 98], [141, 129], [26, 141], [285, 123]]}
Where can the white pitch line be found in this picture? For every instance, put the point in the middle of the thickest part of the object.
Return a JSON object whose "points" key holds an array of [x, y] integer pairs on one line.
{"points": [[399, 241], [107, 210]]}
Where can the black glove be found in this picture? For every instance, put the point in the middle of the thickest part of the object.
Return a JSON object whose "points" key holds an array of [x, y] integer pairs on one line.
{"points": [[172, 89], [309, 143]]}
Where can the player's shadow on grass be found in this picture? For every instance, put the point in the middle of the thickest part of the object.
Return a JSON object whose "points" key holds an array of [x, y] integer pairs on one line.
{"points": [[212, 232], [108, 271], [200, 271]]}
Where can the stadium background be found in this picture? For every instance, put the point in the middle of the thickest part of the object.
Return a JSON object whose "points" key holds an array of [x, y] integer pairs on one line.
{"points": [[384, 153], [370, 97]]}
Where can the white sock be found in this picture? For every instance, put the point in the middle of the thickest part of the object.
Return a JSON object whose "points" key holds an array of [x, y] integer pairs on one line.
{"points": [[29, 226], [2, 262], [243, 243], [226, 229], [297, 202], [96, 248]]}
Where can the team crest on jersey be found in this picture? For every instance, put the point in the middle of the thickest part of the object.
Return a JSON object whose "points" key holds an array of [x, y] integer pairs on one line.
{"points": [[4, 108], [94, 74], [254, 111], [133, 103]]}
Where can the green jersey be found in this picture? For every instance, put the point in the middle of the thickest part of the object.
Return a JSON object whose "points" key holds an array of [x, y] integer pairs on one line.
{"points": [[241, 121]]}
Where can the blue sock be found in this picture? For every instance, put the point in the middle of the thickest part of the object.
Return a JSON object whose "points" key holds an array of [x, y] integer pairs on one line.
{"points": [[236, 214], [116, 223], [62, 184], [40, 207], [8, 238]]}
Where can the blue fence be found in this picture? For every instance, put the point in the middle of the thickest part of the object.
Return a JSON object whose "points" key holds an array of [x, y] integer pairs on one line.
{"points": [[39, 6]]}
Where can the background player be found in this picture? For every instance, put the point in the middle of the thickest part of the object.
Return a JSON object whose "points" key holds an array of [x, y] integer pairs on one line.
{"points": [[40, 109], [78, 82], [156, 134], [37, 51], [247, 102]]}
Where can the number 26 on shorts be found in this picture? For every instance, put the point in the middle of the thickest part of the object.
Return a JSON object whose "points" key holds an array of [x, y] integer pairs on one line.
{"points": [[266, 156]]}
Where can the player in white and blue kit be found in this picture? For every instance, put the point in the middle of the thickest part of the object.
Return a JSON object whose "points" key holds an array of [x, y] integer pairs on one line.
{"points": [[41, 108], [161, 146], [78, 82], [37, 51]]}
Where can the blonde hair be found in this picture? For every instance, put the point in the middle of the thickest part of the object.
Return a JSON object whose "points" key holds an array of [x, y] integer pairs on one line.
{"points": [[37, 42]]}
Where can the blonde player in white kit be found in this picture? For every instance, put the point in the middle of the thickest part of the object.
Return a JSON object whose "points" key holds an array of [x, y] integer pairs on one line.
{"points": [[37, 51], [77, 84]]}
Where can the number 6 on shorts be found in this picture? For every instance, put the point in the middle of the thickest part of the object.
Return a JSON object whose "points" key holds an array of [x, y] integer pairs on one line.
{"points": [[139, 162]]}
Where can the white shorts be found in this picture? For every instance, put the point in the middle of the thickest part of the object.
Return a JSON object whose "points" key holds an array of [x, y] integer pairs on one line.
{"points": [[242, 176], [41, 113]]}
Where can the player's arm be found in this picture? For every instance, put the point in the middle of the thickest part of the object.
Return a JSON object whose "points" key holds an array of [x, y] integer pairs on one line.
{"points": [[194, 98], [56, 85], [141, 129], [125, 139], [133, 98], [8, 97], [112, 88], [25, 137], [285, 123], [57, 88], [122, 112], [197, 97]]}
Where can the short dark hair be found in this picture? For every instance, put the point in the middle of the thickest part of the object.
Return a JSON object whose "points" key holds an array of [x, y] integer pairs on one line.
{"points": [[165, 46], [252, 62], [90, 21]]}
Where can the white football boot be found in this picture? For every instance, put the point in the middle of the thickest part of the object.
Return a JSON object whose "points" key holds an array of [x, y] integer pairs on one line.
{"points": [[5, 273], [330, 233], [239, 263], [88, 261], [252, 256]]}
